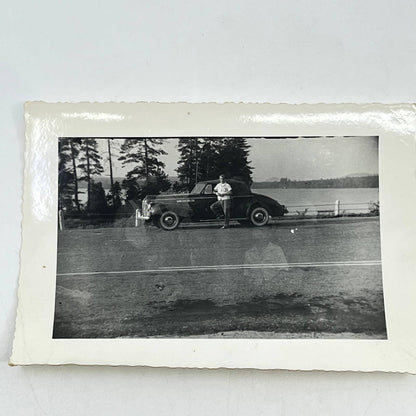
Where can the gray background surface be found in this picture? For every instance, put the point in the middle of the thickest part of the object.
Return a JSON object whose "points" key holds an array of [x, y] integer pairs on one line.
{"points": [[198, 51]]}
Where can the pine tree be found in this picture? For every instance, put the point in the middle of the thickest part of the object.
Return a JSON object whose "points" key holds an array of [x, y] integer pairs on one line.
{"points": [[75, 145], [111, 172], [114, 195], [204, 159], [132, 188], [190, 170], [208, 156], [146, 174], [97, 201], [89, 164], [232, 159], [66, 181], [68, 177], [211, 158]]}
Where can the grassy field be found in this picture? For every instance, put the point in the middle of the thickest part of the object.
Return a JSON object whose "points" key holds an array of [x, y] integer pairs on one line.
{"points": [[292, 278]]}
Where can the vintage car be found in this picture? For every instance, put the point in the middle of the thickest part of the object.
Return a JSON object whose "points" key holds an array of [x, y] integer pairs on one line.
{"points": [[168, 211]]}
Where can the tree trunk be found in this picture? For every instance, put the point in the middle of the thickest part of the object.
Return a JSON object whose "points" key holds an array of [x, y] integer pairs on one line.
{"points": [[88, 176], [146, 161], [74, 166], [209, 157], [111, 172], [196, 161]]}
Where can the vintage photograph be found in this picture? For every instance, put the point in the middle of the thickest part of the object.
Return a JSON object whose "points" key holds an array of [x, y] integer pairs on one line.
{"points": [[219, 237]]}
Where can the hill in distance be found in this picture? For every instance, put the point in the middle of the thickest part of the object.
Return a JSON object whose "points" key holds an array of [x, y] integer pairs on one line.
{"points": [[359, 175], [351, 175]]}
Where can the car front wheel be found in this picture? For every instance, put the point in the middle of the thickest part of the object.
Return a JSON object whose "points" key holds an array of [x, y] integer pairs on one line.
{"points": [[169, 220], [259, 216]]}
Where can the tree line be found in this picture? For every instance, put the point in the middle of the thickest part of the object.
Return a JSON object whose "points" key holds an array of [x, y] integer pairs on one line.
{"points": [[369, 181], [80, 160], [203, 159]]}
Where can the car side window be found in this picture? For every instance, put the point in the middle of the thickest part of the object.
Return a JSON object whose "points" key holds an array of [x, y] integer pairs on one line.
{"points": [[208, 189]]}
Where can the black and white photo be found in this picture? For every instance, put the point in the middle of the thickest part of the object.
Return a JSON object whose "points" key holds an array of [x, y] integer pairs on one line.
{"points": [[219, 237], [267, 236]]}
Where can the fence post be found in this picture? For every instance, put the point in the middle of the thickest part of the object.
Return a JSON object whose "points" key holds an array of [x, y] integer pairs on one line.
{"points": [[336, 210], [60, 220], [136, 218]]}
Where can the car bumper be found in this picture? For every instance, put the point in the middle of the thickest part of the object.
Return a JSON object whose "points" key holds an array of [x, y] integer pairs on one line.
{"points": [[140, 216]]}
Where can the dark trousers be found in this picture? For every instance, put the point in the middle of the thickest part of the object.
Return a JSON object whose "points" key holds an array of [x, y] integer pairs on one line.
{"points": [[222, 207]]}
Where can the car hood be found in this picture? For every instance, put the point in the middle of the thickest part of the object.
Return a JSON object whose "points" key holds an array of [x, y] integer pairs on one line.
{"points": [[165, 197]]}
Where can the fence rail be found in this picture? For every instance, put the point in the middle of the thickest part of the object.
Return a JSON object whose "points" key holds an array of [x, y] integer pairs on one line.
{"points": [[326, 205]]}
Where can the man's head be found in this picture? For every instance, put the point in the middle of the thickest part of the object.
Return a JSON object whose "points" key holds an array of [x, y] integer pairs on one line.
{"points": [[222, 178]]}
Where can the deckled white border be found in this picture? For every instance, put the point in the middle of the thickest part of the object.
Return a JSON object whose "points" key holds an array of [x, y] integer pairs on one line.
{"points": [[395, 125]]}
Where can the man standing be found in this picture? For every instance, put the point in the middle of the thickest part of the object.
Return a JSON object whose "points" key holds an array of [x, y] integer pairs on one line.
{"points": [[223, 192]]}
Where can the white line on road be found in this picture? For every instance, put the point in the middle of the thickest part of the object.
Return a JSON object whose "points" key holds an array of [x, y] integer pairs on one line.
{"points": [[347, 262], [234, 267]]}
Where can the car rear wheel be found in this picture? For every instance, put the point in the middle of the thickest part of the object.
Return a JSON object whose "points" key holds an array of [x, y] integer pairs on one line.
{"points": [[169, 220], [259, 216]]}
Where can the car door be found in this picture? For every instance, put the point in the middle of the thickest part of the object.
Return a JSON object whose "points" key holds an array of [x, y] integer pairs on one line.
{"points": [[203, 202], [240, 200]]}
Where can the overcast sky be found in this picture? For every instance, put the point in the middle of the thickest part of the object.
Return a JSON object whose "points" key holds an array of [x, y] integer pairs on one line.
{"points": [[300, 158]]}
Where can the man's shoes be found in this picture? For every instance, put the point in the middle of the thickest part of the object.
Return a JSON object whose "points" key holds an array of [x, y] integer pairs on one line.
{"points": [[224, 226]]}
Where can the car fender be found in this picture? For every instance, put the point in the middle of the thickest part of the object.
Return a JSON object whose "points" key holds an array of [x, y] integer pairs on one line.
{"points": [[253, 204], [158, 209], [274, 208]]}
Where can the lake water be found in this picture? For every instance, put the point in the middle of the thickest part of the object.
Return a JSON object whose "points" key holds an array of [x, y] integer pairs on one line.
{"points": [[352, 200]]}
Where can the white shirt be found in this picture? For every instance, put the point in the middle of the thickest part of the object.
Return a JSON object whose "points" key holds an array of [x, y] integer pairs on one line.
{"points": [[222, 188]]}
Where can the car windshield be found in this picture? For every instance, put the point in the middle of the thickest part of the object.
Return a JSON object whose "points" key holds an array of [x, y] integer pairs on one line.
{"points": [[198, 188], [208, 189]]}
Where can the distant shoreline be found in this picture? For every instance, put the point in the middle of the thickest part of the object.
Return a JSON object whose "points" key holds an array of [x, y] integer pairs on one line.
{"points": [[254, 186], [369, 181]]}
